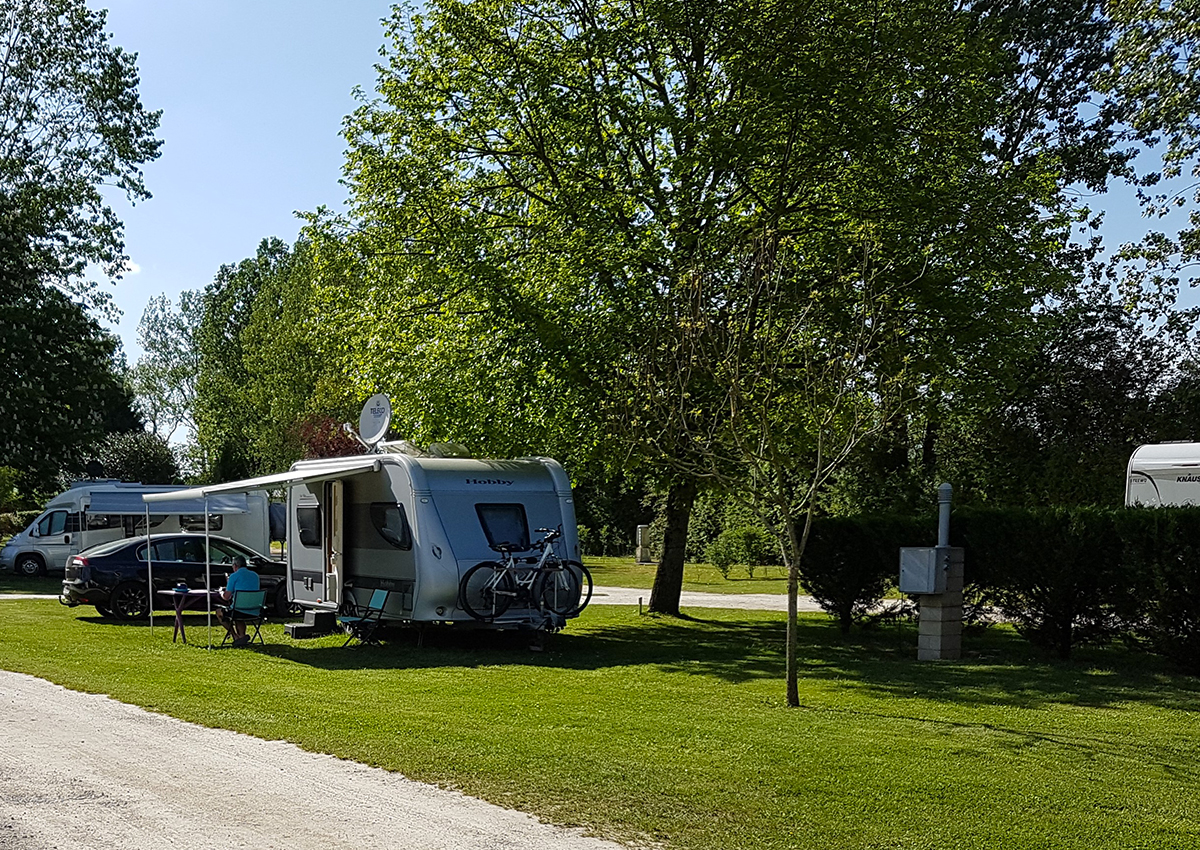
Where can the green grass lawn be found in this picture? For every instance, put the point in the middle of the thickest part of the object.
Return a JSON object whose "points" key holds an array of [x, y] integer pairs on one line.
{"points": [[676, 730], [10, 583], [626, 572]]}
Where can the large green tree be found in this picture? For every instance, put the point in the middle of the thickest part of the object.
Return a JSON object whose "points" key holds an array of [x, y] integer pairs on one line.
{"points": [[594, 178], [62, 385], [71, 124]]}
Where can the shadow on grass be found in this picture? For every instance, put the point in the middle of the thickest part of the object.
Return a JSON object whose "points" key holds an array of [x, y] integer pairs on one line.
{"points": [[1000, 667]]}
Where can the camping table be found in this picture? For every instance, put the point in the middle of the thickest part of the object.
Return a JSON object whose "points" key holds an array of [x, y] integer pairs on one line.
{"points": [[182, 601]]}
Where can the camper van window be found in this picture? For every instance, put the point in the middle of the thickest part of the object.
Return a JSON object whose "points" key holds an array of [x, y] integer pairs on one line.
{"points": [[100, 522], [73, 523], [391, 522], [195, 522], [52, 523], [134, 525], [505, 526], [308, 520]]}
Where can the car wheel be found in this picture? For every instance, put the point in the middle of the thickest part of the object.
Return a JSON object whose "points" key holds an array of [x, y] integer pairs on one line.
{"points": [[28, 566], [130, 600]]}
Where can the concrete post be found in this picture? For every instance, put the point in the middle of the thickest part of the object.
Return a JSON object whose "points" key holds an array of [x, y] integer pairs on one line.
{"points": [[935, 578], [643, 545]]}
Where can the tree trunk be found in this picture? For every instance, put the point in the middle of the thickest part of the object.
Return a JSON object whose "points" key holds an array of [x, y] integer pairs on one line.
{"points": [[798, 542], [668, 579]]}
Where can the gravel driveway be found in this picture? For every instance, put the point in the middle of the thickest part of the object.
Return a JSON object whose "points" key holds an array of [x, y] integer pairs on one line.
{"points": [[82, 772]]}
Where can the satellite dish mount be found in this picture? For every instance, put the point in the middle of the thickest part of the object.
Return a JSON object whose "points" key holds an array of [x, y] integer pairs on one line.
{"points": [[373, 422]]}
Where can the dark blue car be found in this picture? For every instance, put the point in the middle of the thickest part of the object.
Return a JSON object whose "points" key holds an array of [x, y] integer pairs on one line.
{"points": [[114, 576]]}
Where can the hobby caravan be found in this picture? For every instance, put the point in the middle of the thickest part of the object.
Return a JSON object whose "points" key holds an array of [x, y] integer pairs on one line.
{"points": [[412, 523]]}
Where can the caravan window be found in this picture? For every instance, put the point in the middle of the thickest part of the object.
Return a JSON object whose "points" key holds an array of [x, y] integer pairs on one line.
{"points": [[505, 526], [308, 520], [391, 522]]}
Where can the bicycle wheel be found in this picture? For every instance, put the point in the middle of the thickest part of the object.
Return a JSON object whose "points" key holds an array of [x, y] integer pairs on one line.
{"points": [[585, 583], [486, 591], [557, 590]]}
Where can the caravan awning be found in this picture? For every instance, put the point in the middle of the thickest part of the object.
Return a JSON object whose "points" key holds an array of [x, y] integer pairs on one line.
{"points": [[324, 472], [170, 503]]}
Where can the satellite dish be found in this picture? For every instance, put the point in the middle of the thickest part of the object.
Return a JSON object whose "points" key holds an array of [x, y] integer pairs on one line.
{"points": [[374, 420]]}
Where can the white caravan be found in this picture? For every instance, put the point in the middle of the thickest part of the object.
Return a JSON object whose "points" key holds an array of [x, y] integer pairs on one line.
{"points": [[1164, 474], [411, 524], [92, 512]]}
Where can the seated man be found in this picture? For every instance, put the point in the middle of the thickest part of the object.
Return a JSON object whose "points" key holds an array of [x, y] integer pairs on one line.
{"points": [[242, 578]]}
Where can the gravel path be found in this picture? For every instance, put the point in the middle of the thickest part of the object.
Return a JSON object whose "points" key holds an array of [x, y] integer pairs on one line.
{"points": [[81, 771], [689, 599]]}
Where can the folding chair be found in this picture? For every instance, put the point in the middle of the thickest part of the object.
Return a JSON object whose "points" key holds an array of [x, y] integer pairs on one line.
{"points": [[363, 623], [247, 607]]}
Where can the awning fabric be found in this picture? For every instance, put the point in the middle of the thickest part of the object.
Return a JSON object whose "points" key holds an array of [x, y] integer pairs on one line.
{"points": [[322, 472], [131, 503]]}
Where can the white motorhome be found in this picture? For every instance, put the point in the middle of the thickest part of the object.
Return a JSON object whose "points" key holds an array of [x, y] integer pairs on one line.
{"points": [[92, 512], [1164, 474], [411, 524]]}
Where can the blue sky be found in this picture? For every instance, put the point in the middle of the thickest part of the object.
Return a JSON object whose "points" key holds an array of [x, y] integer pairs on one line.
{"points": [[253, 95]]}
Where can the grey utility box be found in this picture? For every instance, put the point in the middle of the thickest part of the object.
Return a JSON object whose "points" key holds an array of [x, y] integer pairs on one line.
{"points": [[927, 569]]}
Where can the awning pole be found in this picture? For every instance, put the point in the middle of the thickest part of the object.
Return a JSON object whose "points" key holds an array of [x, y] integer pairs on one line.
{"points": [[208, 570], [149, 570]]}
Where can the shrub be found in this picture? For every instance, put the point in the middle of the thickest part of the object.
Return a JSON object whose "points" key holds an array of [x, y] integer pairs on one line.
{"points": [[850, 562], [749, 547], [1161, 548], [1054, 572]]}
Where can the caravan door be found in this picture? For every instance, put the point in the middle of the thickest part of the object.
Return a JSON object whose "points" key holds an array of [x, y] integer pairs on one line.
{"points": [[315, 543]]}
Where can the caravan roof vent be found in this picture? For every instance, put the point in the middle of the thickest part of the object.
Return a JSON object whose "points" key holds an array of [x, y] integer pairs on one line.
{"points": [[402, 447], [449, 450]]}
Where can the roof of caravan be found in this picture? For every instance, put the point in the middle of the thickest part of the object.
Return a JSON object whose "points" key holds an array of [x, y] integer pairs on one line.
{"points": [[329, 468], [1163, 455]]}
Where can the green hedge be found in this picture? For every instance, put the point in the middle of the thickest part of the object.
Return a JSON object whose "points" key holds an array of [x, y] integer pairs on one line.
{"points": [[850, 562], [1062, 576]]}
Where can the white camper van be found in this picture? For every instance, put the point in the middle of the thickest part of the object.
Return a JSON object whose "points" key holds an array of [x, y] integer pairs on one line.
{"points": [[411, 524], [92, 512], [1164, 474]]}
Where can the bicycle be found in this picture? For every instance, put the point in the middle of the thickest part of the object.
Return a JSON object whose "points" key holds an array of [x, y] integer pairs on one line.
{"points": [[545, 582]]}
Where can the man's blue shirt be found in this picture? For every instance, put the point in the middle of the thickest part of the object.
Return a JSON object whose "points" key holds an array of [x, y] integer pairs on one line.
{"points": [[243, 579]]}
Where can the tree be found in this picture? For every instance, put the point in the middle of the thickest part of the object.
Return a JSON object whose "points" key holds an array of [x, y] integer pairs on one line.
{"points": [[137, 456], [164, 378], [593, 178], [224, 421], [61, 387], [1155, 78], [71, 122]]}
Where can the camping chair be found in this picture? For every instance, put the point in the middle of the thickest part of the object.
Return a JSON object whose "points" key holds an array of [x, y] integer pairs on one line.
{"points": [[247, 607], [363, 623]]}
